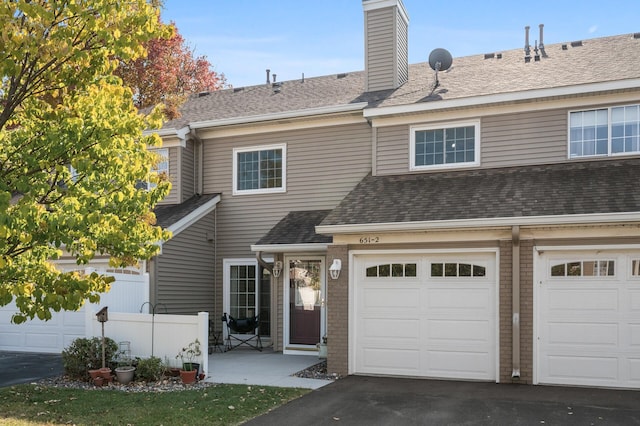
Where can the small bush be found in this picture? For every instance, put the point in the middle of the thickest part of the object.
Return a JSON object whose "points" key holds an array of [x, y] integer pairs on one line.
{"points": [[85, 354], [150, 369]]}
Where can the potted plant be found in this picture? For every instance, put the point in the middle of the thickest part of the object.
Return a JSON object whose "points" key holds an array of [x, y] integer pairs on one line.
{"points": [[189, 369]]}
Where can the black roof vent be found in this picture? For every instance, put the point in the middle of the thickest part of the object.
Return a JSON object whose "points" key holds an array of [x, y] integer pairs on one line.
{"points": [[342, 75], [636, 35], [565, 47], [489, 55], [238, 89], [576, 43], [499, 56], [203, 94]]}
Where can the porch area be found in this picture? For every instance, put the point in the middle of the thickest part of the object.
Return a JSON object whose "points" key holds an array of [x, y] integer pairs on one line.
{"points": [[266, 368]]}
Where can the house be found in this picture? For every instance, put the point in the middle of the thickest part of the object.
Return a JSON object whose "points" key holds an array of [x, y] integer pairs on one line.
{"points": [[482, 221]]}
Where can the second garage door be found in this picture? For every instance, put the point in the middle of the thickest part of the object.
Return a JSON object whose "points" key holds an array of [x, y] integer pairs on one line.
{"points": [[425, 315], [588, 317]]}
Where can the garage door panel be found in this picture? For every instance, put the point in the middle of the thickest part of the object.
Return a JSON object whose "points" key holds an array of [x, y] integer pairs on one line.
{"points": [[453, 364], [459, 299], [634, 300], [581, 369], [453, 331], [633, 366], [588, 334], [395, 329], [390, 298], [634, 336], [582, 300], [391, 361]]}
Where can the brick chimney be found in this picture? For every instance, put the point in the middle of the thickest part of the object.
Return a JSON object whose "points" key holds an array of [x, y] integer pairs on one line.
{"points": [[386, 44]]}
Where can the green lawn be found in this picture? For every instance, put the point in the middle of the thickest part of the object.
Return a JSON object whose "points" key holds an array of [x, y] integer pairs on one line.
{"points": [[215, 405]]}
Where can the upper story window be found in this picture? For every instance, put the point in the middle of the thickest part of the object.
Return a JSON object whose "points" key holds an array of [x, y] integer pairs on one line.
{"points": [[162, 167], [606, 131], [259, 169], [453, 145]]}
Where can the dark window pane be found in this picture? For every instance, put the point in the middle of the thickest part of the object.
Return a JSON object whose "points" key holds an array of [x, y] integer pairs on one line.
{"points": [[558, 270], [479, 271], [451, 270], [437, 269], [384, 270], [465, 270], [397, 270], [372, 271], [410, 270]]}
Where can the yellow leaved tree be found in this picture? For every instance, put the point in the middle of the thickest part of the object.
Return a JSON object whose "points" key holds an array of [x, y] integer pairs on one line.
{"points": [[72, 149]]}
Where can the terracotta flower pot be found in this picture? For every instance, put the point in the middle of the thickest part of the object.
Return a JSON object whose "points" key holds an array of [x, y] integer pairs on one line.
{"points": [[105, 373], [98, 381], [188, 377], [94, 373]]}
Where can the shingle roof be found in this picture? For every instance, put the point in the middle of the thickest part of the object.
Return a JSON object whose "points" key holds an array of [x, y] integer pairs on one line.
{"points": [[594, 61], [168, 214], [297, 228], [559, 189]]}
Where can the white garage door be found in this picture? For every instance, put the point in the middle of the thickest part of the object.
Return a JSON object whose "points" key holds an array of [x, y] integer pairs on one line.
{"points": [[426, 315], [588, 318], [127, 294]]}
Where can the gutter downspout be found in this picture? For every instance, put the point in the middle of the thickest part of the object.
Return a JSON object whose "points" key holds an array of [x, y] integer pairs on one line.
{"points": [[263, 262], [200, 165], [515, 302]]}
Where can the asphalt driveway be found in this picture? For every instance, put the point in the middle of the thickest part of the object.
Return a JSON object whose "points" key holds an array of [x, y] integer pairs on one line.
{"points": [[357, 400], [26, 367]]}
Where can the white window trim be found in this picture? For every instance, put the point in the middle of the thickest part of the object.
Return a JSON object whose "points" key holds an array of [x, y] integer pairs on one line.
{"points": [[412, 145], [609, 153], [282, 189]]}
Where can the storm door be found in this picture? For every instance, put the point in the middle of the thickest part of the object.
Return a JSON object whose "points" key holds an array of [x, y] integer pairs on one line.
{"points": [[306, 284]]}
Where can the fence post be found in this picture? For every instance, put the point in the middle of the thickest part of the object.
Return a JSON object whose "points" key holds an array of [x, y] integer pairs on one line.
{"points": [[203, 336]]}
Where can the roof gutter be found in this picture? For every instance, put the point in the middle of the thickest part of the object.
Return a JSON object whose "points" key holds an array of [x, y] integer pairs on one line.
{"points": [[334, 109], [290, 248], [498, 222], [526, 95]]}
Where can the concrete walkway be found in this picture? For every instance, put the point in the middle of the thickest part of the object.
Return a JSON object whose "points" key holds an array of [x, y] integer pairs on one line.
{"points": [[266, 368]]}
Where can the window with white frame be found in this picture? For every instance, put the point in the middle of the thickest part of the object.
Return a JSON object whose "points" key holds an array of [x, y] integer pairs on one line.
{"points": [[162, 166], [259, 169], [604, 131], [453, 145]]}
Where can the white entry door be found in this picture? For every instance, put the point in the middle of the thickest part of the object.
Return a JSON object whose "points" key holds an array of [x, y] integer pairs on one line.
{"points": [[588, 318], [426, 315]]}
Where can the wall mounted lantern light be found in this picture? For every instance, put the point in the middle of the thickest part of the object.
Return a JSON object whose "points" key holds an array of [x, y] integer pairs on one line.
{"points": [[334, 269], [277, 268]]}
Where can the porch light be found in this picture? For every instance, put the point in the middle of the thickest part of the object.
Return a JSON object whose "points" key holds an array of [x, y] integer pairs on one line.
{"points": [[334, 269], [277, 268]]}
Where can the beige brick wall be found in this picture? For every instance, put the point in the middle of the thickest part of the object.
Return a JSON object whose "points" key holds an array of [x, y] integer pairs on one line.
{"points": [[526, 311], [505, 311], [338, 313]]}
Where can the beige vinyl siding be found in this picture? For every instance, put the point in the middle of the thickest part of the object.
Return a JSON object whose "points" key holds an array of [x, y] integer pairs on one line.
{"points": [[402, 50], [323, 165], [185, 270], [524, 139], [527, 138], [187, 172], [380, 48]]}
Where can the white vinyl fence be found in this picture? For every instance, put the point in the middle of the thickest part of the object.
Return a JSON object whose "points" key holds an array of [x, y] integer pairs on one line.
{"points": [[160, 335]]}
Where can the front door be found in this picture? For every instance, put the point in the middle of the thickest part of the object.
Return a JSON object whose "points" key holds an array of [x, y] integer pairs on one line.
{"points": [[306, 299]]}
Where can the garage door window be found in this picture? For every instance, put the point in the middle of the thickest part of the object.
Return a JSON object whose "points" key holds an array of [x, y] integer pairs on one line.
{"points": [[635, 268], [584, 268], [451, 269], [396, 270]]}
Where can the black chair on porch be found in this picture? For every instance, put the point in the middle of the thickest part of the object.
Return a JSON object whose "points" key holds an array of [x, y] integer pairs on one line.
{"points": [[243, 331]]}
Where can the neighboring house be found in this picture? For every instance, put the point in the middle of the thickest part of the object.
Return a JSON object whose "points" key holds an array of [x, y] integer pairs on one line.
{"points": [[487, 226]]}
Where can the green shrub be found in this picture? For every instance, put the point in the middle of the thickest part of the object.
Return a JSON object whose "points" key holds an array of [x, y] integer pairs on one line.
{"points": [[85, 354], [150, 369]]}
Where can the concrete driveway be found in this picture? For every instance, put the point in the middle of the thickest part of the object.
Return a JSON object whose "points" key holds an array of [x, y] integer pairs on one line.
{"points": [[357, 400], [26, 367]]}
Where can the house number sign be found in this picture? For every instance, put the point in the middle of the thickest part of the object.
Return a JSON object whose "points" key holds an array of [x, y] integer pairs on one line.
{"points": [[369, 240]]}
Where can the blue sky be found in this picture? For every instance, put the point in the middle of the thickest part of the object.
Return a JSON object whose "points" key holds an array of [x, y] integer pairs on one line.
{"points": [[242, 38]]}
